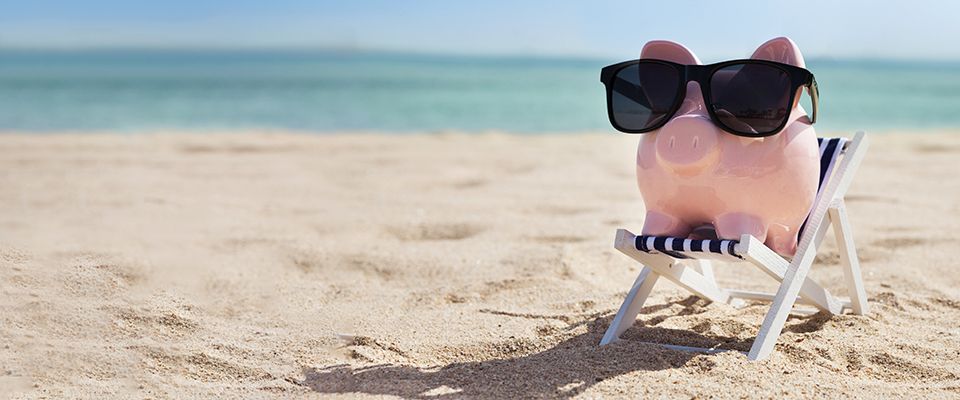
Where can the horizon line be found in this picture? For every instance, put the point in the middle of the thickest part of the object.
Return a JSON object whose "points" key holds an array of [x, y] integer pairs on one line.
{"points": [[401, 51]]}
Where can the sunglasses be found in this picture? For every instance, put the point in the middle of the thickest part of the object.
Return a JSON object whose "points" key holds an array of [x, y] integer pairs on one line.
{"points": [[750, 98]]}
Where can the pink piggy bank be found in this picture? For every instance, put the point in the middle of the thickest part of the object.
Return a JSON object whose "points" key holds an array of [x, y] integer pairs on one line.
{"points": [[692, 173]]}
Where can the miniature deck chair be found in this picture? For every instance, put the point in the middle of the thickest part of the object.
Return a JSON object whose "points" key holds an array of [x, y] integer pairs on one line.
{"points": [[686, 262]]}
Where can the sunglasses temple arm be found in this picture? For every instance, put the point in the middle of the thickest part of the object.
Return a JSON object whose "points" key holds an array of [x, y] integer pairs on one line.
{"points": [[814, 93]]}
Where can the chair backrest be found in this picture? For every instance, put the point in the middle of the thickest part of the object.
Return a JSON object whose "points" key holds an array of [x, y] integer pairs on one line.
{"points": [[830, 150]]}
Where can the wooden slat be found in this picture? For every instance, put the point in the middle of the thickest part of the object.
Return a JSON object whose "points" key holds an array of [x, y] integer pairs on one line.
{"points": [[768, 297]]}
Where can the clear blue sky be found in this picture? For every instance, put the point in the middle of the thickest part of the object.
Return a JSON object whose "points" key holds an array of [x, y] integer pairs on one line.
{"points": [[715, 30]]}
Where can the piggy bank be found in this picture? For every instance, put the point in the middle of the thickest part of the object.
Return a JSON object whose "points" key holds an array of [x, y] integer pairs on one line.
{"points": [[692, 173]]}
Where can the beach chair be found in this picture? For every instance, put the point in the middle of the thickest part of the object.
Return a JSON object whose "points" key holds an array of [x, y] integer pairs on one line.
{"points": [[687, 262]]}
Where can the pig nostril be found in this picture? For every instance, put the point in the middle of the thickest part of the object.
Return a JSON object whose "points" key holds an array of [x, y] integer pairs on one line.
{"points": [[673, 141], [696, 141]]}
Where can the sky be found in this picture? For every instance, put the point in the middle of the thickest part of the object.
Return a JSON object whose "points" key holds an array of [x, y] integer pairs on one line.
{"points": [[714, 30]]}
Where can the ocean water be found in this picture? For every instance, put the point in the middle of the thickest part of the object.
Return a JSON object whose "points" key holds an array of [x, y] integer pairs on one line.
{"points": [[325, 91]]}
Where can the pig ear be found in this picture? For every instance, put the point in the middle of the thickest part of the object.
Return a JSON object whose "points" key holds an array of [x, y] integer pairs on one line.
{"points": [[670, 51], [782, 50]]}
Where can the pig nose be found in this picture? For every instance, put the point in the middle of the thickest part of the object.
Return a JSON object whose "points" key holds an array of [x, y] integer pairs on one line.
{"points": [[688, 144], [693, 101]]}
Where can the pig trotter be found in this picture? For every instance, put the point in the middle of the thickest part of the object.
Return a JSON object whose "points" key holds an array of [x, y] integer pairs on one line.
{"points": [[733, 225], [660, 224], [782, 240]]}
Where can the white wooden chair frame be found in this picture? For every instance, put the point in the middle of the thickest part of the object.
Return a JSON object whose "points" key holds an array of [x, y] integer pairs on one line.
{"points": [[696, 275]]}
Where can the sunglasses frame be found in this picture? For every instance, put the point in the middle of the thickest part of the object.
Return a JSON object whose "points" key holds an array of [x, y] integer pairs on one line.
{"points": [[702, 74]]}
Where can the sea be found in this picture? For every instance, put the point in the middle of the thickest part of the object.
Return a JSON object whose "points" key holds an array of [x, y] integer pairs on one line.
{"points": [[130, 90]]}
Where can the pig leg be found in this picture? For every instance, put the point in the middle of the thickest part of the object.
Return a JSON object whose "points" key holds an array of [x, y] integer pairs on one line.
{"points": [[782, 239], [660, 224], [733, 225]]}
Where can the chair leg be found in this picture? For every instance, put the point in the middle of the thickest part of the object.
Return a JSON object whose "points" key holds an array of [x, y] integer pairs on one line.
{"points": [[627, 314], [848, 256], [783, 302]]}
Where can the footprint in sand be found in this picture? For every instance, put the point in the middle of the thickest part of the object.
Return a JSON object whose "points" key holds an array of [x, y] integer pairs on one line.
{"points": [[435, 231], [469, 183], [832, 257], [900, 242], [237, 148], [559, 239], [892, 368], [559, 210], [379, 267], [935, 148], [868, 198], [159, 321]]}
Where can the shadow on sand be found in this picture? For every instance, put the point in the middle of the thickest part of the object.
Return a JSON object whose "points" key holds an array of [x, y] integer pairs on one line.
{"points": [[566, 369]]}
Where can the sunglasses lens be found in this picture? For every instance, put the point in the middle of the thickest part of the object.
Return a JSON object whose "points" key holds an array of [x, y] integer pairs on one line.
{"points": [[751, 99], [643, 94]]}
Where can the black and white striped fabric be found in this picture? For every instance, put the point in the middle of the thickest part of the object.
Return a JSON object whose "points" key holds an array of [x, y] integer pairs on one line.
{"points": [[678, 247]]}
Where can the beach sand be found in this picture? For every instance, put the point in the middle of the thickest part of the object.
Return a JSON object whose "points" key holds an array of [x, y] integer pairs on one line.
{"points": [[259, 265]]}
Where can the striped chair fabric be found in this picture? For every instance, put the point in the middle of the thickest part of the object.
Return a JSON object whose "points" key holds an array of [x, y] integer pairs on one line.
{"points": [[723, 249]]}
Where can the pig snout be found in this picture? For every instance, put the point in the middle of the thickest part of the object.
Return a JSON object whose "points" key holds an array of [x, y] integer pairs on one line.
{"points": [[688, 144]]}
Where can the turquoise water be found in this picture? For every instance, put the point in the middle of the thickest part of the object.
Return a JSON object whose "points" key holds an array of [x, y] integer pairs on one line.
{"points": [[336, 91]]}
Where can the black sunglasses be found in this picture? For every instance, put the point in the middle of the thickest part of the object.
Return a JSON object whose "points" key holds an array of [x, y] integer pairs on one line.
{"points": [[751, 98]]}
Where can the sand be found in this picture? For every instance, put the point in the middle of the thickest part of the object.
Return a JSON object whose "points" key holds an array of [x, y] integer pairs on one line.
{"points": [[262, 265]]}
